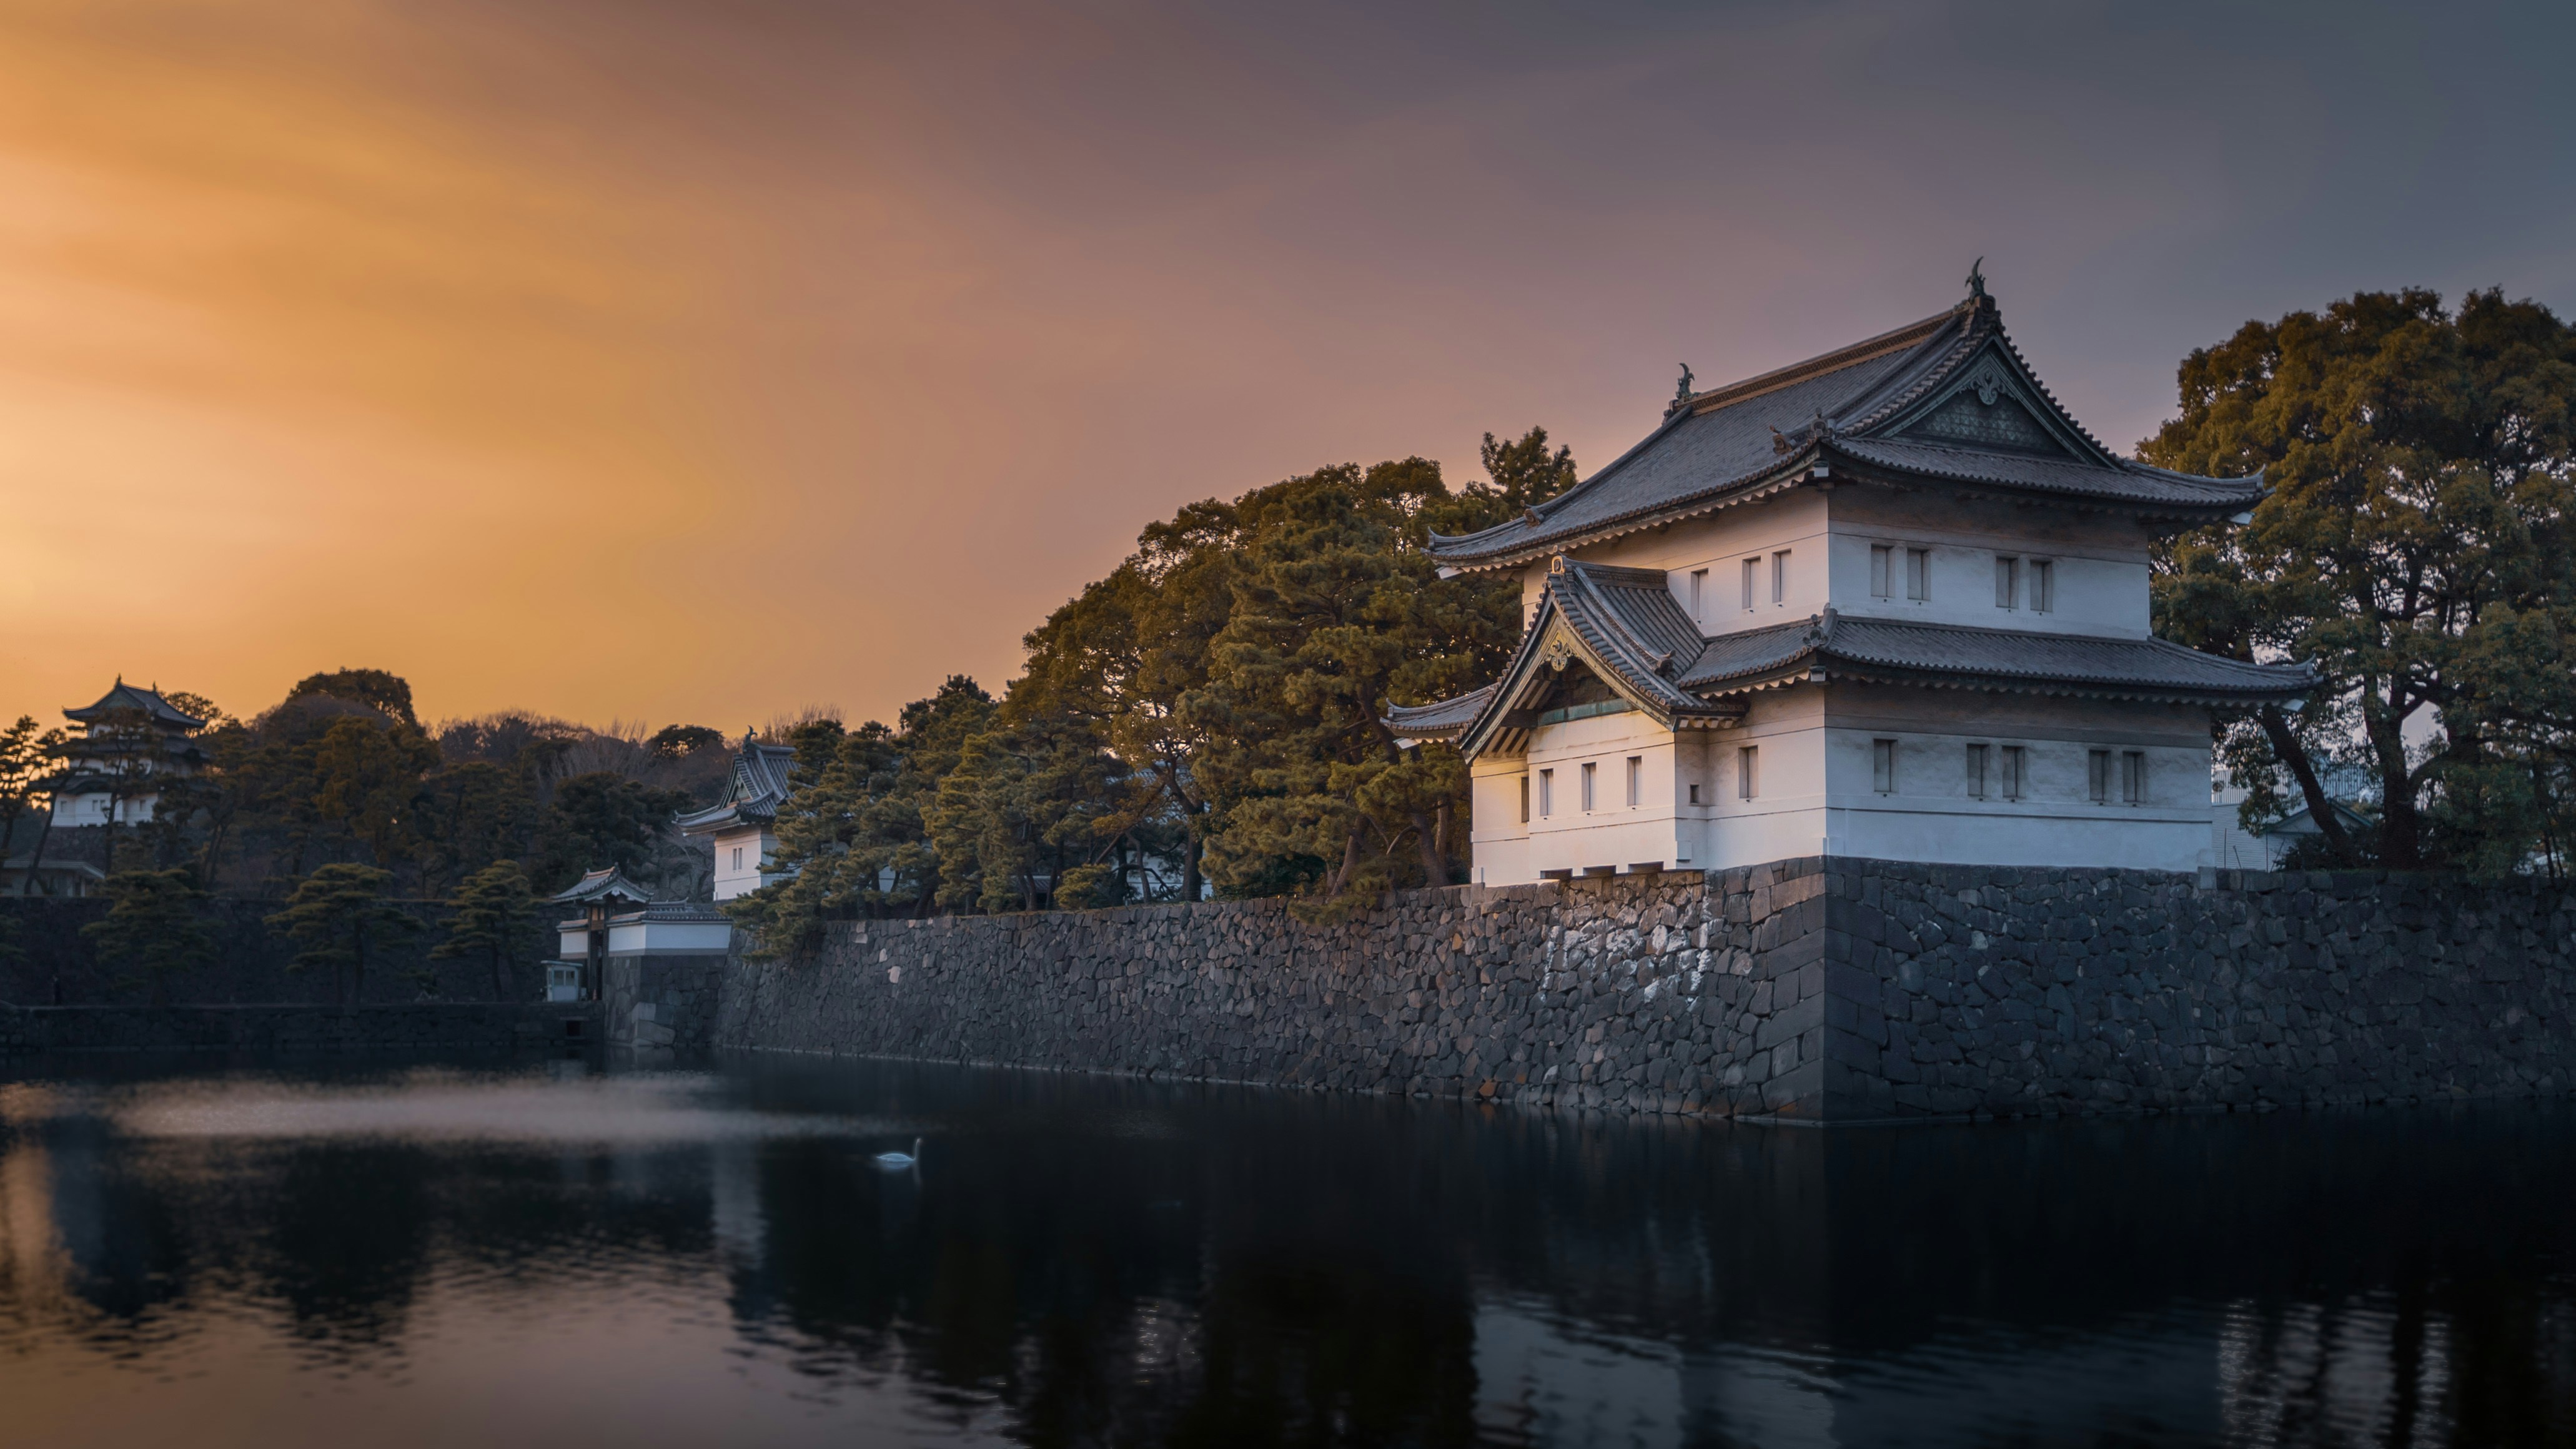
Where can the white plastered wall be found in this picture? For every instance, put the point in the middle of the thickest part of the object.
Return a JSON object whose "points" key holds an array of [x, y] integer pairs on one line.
{"points": [[1931, 815], [1721, 543], [2099, 565], [1816, 746], [740, 854]]}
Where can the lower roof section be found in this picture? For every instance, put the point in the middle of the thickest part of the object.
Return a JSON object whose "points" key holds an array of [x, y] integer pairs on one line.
{"points": [[1626, 634]]}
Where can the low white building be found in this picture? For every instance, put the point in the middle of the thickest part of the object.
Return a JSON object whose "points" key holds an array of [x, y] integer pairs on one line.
{"points": [[1891, 602], [742, 826]]}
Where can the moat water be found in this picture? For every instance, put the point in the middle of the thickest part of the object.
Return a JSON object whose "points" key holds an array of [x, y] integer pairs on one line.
{"points": [[569, 1256]]}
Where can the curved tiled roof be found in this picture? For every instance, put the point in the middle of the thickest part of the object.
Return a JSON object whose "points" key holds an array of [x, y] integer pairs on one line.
{"points": [[1965, 655], [1632, 633], [122, 695], [1437, 721], [1740, 442], [759, 786], [2131, 483], [1629, 631], [610, 884]]}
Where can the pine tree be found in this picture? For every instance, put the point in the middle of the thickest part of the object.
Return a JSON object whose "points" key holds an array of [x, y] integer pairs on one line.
{"points": [[335, 912], [493, 910], [152, 928]]}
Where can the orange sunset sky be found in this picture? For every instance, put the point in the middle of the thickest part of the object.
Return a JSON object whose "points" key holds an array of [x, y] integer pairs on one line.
{"points": [[697, 362]]}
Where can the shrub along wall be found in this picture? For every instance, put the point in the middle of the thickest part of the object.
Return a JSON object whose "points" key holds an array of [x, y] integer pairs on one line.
{"points": [[56, 965], [1809, 990]]}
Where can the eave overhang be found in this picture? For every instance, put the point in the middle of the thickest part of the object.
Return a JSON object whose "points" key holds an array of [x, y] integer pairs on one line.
{"points": [[1963, 350]]}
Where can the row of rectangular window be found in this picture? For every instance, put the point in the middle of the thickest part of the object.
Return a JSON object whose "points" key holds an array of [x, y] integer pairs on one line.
{"points": [[1752, 583], [2004, 771], [1748, 780], [2017, 580], [1914, 570], [1994, 771]]}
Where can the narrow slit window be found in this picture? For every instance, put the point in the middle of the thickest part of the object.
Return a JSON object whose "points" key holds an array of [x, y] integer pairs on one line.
{"points": [[1882, 766], [1976, 772], [1918, 574], [1752, 579], [1698, 589], [1748, 772], [1882, 571], [2133, 777], [1525, 799], [2043, 586], [1546, 793], [1694, 794], [2007, 582], [1780, 577], [1636, 781], [1589, 774], [2013, 766], [2097, 775]]}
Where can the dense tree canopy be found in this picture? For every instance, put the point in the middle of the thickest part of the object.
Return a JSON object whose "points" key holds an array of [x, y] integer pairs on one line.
{"points": [[2415, 543], [1208, 713]]}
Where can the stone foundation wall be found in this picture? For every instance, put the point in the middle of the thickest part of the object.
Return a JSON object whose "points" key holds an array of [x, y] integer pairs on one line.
{"points": [[1807, 990], [1954, 989], [422, 1027], [661, 1003], [1672, 993]]}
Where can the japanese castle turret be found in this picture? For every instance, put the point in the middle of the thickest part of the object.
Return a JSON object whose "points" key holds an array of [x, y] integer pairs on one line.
{"points": [[1890, 603], [130, 741], [741, 825]]}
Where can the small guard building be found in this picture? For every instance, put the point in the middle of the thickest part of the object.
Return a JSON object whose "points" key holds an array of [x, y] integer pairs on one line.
{"points": [[1890, 602]]}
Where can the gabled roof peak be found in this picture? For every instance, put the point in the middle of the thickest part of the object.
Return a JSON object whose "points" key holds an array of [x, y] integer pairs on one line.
{"points": [[609, 884], [1945, 402], [122, 695]]}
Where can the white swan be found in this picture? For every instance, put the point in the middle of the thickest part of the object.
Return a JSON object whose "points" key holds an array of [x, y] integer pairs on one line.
{"points": [[898, 1161]]}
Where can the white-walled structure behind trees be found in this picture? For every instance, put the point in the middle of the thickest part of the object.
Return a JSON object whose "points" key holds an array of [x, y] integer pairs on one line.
{"points": [[1891, 602], [742, 826], [131, 742]]}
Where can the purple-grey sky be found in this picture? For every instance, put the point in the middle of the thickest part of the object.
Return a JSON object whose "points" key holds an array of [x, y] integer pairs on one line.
{"points": [[697, 362]]}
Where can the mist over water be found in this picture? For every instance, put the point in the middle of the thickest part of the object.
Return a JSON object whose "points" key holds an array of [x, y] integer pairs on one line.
{"points": [[558, 1254]]}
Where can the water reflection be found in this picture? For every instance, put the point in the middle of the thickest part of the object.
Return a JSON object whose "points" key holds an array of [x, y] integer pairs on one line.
{"points": [[684, 1258]]}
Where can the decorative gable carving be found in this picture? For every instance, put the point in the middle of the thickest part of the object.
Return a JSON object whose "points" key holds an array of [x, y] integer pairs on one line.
{"points": [[1986, 410]]}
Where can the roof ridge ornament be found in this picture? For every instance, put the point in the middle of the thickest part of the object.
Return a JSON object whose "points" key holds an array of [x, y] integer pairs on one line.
{"points": [[1977, 281], [1681, 393]]}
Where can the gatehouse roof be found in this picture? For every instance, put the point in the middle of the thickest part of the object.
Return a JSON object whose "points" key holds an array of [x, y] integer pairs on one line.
{"points": [[1944, 402], [605, 885]]}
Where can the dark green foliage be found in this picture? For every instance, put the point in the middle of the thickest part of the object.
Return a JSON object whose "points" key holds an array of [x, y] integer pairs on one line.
{"points": [[1216, 698], [676, 742], [380, 690], [1334, 603], [601, 819], [27, 756], [491, 916], [338, 913], [151, 929], [2416, 544], [1211, 708], [856, 840], [472, 815]]}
